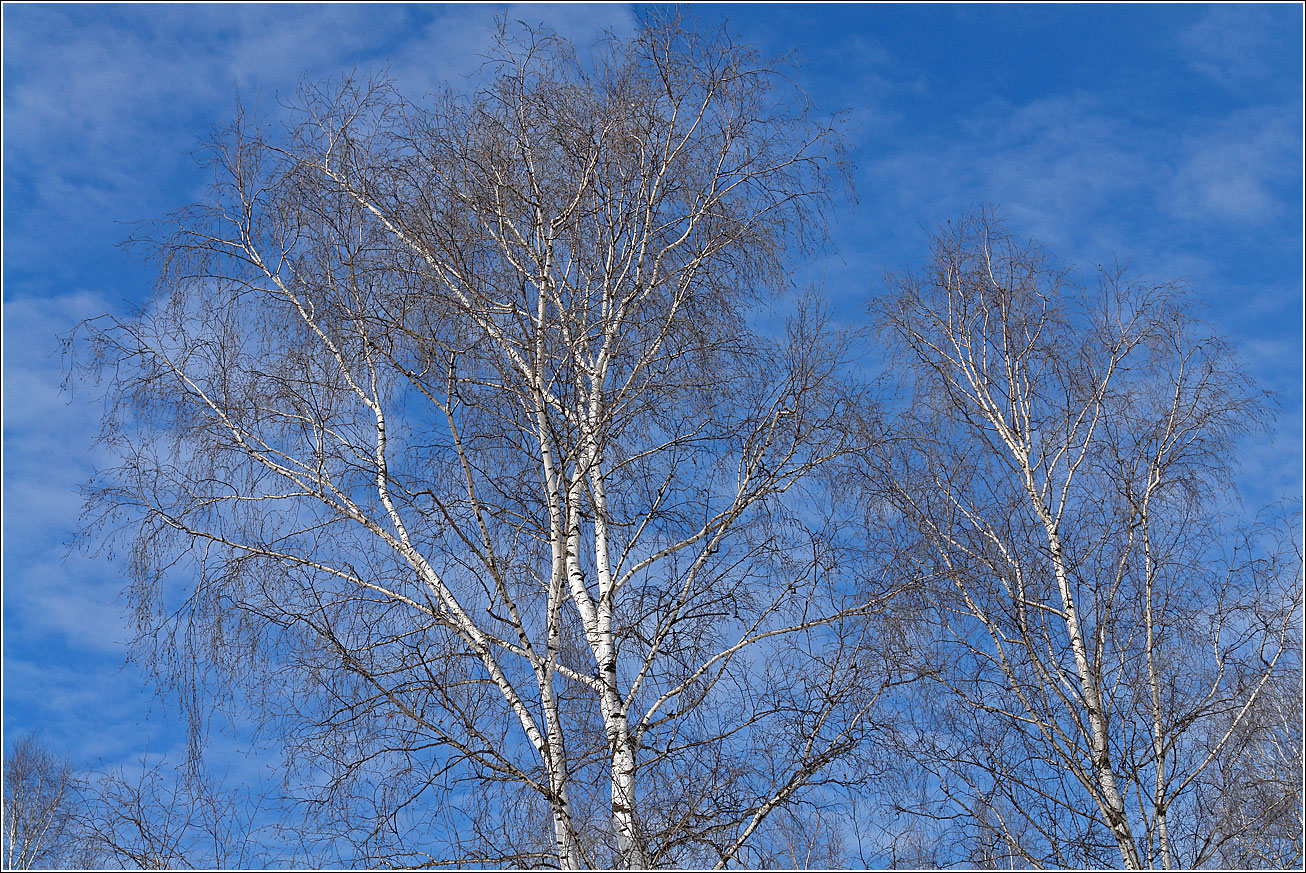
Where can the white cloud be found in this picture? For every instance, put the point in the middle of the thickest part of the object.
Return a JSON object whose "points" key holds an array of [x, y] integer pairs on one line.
{"points": [[48, 453], [1245, 171], [91, 711], [1231, 43], [1055, 166], [104, 104]]}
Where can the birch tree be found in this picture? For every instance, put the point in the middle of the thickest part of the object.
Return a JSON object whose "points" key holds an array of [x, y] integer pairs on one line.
{"points": [[144, 817], [42, 806], [1096, 636], [451, 442]]}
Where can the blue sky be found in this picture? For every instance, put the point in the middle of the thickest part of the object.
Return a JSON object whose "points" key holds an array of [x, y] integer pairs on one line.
{"points": [[1168, 135]]}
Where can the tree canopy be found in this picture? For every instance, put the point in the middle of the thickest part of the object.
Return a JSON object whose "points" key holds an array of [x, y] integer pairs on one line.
{"points": [[485, 449]]}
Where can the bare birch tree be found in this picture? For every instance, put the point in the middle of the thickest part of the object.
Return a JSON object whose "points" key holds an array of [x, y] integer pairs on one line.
{"points": [[1247, 809], [450, 439], [42, 809], [154, 817], [1096, 646]]}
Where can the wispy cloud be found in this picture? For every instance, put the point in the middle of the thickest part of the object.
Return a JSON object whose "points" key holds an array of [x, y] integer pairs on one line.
{"points": [[1090, 180], [1234, 45], [51, 598], [1243, 171], [1059, 167], [104, 104]]}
